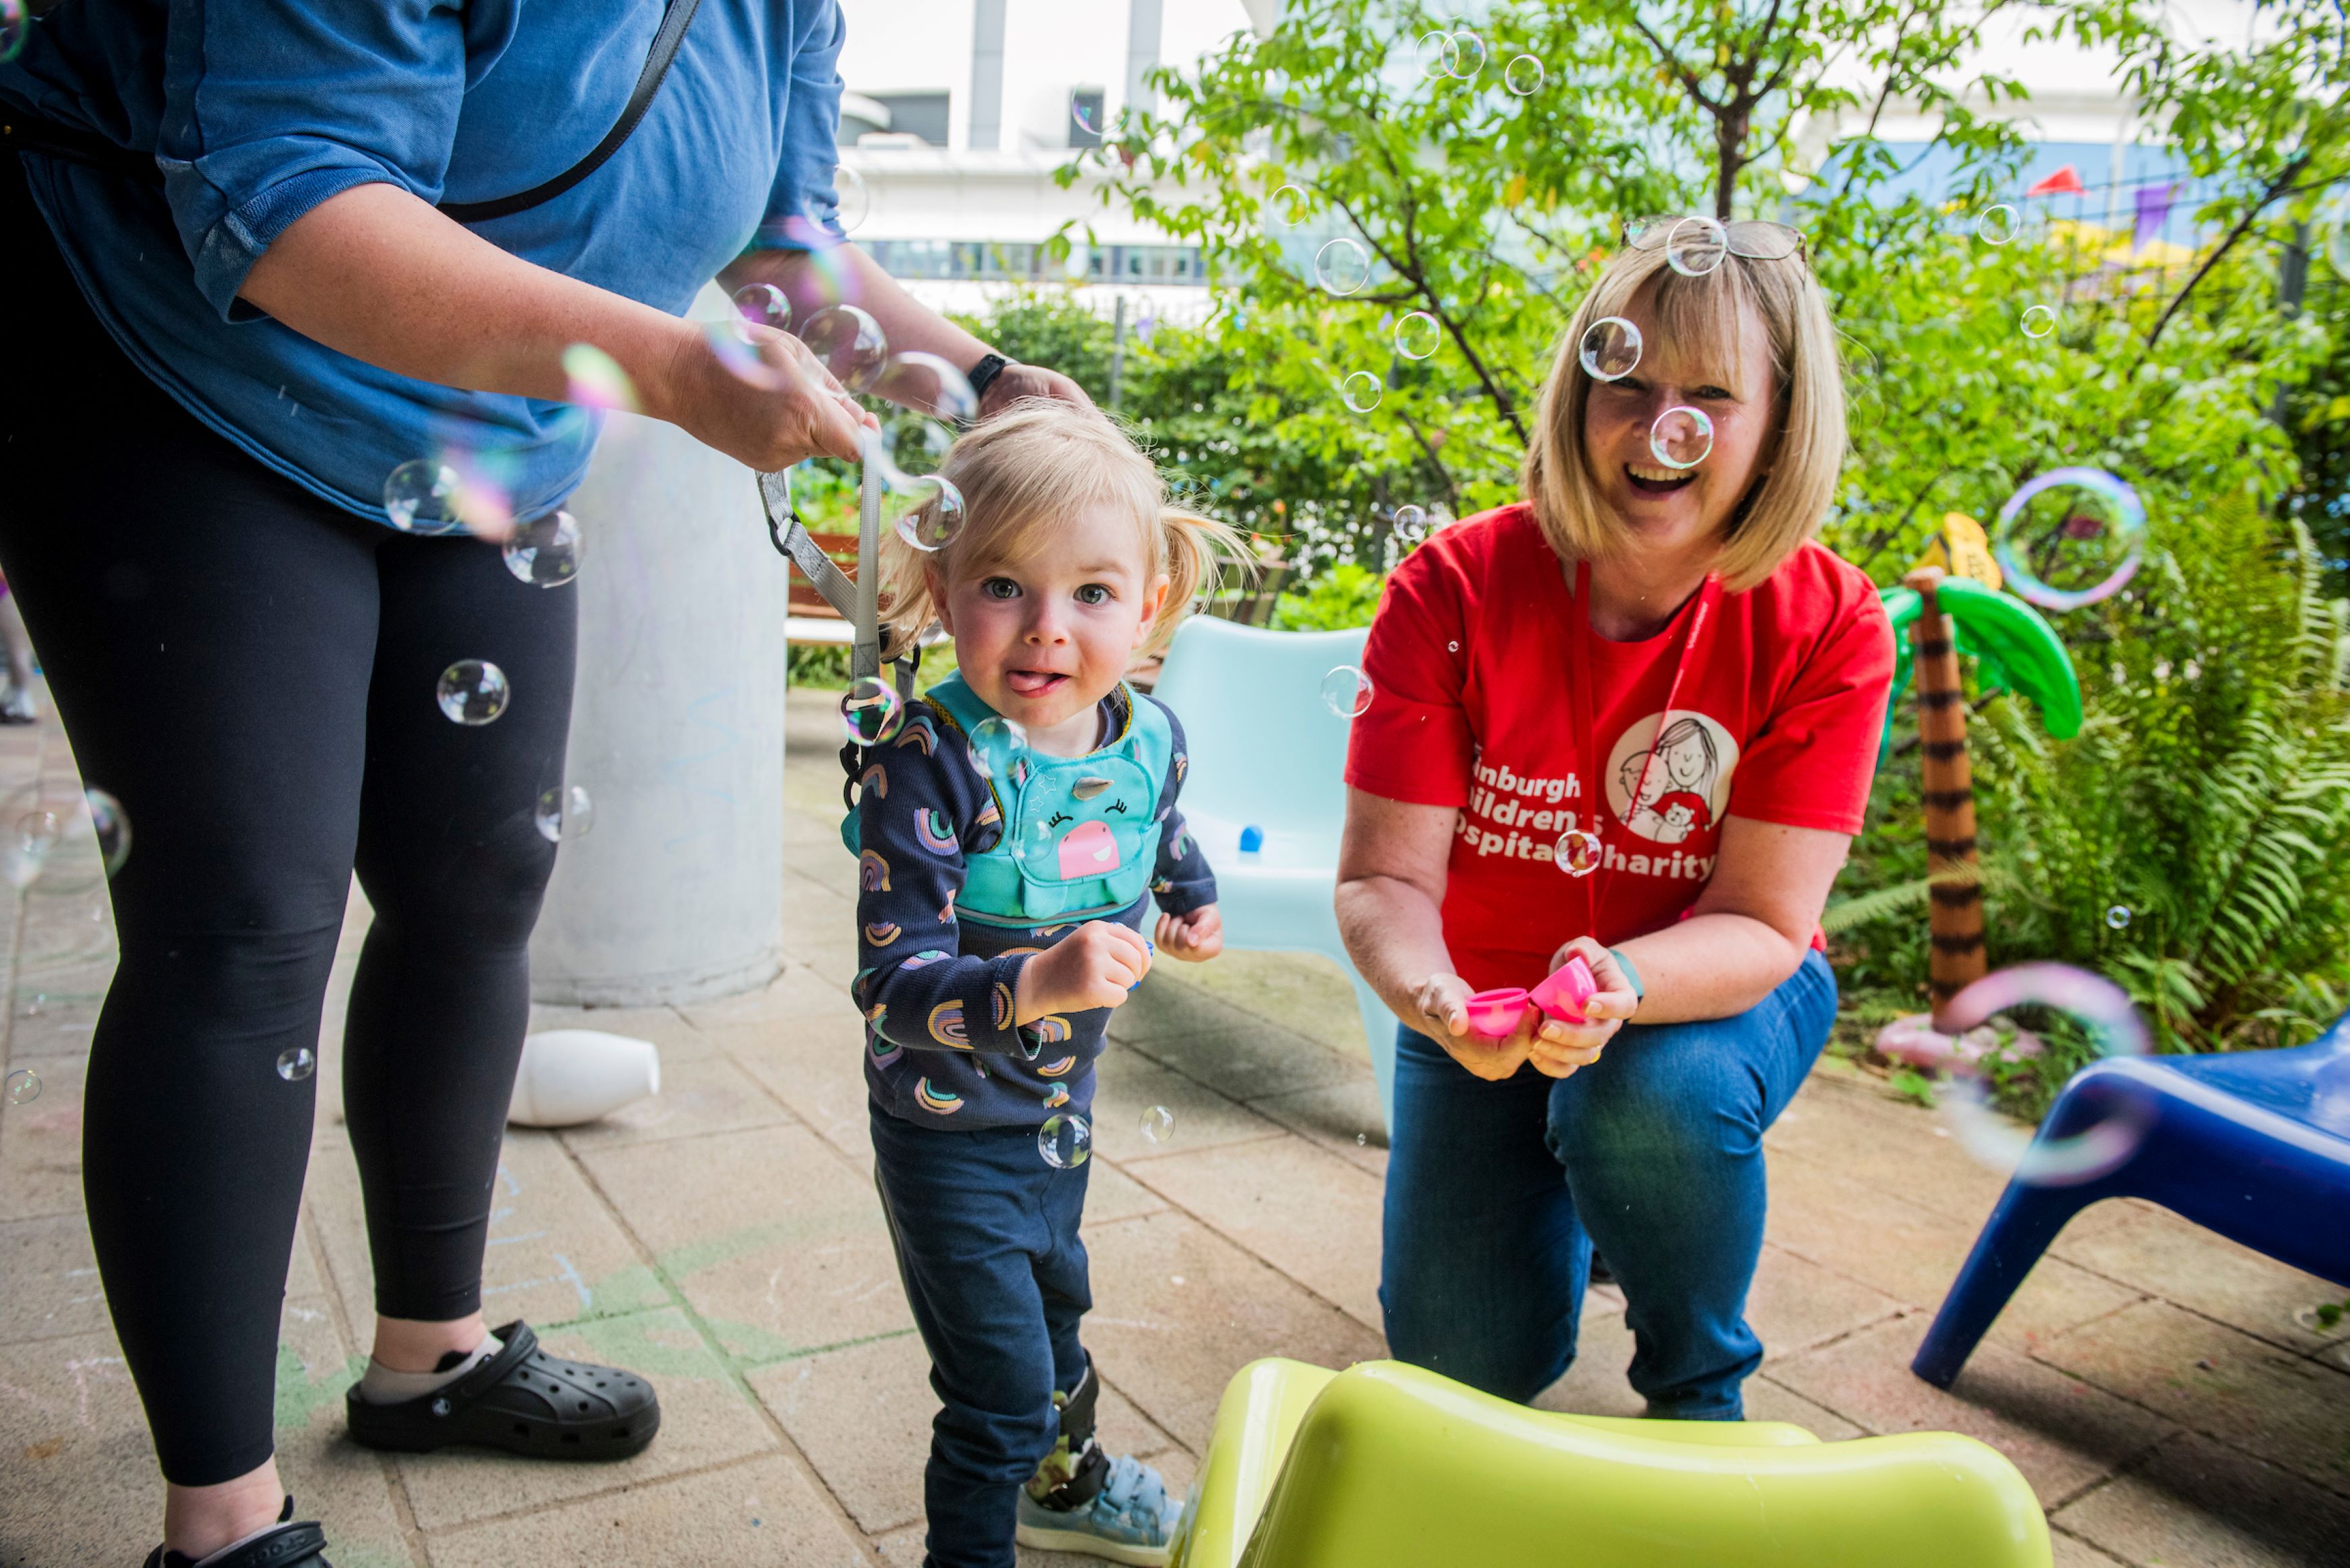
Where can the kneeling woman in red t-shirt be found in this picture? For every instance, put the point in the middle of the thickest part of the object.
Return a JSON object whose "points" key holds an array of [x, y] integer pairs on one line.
{"points": [[1632, 717]]}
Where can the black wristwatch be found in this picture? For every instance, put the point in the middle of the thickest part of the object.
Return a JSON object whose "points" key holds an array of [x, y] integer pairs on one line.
{"points": [[983, 374]]}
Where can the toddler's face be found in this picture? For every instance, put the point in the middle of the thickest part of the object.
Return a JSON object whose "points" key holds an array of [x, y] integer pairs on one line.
{"points": [[1044, 640]]}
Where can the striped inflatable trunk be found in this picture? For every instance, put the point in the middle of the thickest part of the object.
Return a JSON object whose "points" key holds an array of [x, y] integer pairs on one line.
{"points": [[1955, 917]]}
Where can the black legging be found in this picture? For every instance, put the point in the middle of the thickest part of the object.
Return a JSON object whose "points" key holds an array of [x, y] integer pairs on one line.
{"points": [[251, 671]]}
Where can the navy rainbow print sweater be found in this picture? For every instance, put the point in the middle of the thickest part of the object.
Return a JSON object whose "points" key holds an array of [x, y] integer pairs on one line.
{"points": [[937, 992]]}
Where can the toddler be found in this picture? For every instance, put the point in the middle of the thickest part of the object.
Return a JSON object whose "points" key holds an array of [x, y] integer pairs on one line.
{"points": [[1004, 875]]}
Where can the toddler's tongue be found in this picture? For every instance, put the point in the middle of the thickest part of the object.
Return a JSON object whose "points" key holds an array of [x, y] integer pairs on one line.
{"points": [[1033, 682]]}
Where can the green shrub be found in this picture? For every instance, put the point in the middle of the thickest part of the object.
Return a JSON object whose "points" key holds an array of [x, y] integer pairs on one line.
{"points": [[1339, 600]]}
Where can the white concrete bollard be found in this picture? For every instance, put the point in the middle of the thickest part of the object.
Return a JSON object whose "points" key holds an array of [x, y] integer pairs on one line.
{"points": [[677, 731]]}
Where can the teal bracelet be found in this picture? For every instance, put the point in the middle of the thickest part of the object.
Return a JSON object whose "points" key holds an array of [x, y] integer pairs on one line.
{"points": [[1638, 990]]}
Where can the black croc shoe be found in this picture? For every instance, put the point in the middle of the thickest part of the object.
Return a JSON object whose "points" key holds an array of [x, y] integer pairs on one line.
{"points": [[521, 1399], [285, 1544]]}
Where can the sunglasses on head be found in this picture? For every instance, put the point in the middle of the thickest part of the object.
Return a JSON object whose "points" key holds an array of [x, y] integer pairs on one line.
{"points": [[1751, 238]]}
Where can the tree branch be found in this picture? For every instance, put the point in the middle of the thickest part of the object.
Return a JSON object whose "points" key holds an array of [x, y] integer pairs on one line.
{"points": [[2243, 227]]}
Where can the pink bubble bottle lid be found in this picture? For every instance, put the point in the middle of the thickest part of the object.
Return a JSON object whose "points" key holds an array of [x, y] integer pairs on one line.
{"points": [[1562, 996], [1493, 1014]]}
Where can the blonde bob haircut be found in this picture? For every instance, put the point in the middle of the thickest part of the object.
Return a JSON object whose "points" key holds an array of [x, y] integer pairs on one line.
{"points": [[1022, 474], [1702, 317]]}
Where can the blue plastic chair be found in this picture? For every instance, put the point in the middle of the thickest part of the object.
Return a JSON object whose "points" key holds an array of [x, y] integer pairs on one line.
{"points": [[2254, 1145], [1265, 753]]}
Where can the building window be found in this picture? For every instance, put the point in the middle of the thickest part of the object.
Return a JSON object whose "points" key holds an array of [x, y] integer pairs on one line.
{"points": [[922, 114], [1011, 261]]}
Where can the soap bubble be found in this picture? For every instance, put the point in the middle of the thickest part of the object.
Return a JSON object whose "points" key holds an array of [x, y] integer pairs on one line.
{"points": [[1418, 335], [1157, 1123], [929, 386], [1065, 1141], [1577, 852], [1087, 114], [1343, 265], [2039, 321], [1681, 437], [1464, 55], [926, 510], [853, 201], [2069, 537], [1611, 348], [850, 344], [870, 710], [2103, 1009], [24, 1084], [564, 812], [764, 305], [1361, 392], [997, 747], [1411, 524], [12, 28], [2117, 919], [544, 551], [112, 825], [1346, 691], [297, 1063], [594, 379], [1290, 205], [1524, 75], [473, 692], [420, 496], [34, 1005], [1435, 51], [1696, 246], [29, 848], [1997, 225]]}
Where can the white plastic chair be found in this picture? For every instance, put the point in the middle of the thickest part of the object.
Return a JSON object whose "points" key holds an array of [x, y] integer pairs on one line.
{"points": [[1266, 753]]}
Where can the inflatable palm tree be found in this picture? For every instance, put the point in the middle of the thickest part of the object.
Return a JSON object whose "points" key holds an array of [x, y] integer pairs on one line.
{"points": [[1937, 616]]}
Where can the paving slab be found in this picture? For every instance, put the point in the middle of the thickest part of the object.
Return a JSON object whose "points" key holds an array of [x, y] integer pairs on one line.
{"points": [[2064, 1434], [2157, 1252], [1295, 1206], [1249, 1061], [699, 1093], [1303, 992], [2267, 1402], [707, 1419], [2198, 1502], [1127, 1086], [765, 1513], [1343, 1117], [862, 1417], [1111, 1195], [40, 1142], [775, 1240], [1178, 1310], [1794, 1303], [666, 1027]]}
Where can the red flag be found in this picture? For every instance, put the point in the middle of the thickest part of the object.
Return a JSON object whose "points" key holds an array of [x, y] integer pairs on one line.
{"points": [[2065, 181]]}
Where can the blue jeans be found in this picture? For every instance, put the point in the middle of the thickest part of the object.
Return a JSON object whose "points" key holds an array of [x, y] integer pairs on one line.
{"points": [[986, 1234], [1497, 1192]]}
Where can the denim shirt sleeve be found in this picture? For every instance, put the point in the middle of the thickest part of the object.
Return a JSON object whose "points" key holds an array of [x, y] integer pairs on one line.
{"points": [[272, 106], [804, 209]]}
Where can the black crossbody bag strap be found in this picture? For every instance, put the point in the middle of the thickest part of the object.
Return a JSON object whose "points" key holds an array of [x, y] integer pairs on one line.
{"points": [[30, 133]]}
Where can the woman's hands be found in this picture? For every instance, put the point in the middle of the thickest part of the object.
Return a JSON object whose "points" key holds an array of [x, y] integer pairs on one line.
{"points": [[1441, 1012], [1015, 383], [770, 414], [1097, 965], [1195, 937], [1558, 1049]]}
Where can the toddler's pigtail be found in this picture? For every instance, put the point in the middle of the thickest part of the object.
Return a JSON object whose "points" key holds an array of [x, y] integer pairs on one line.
{"points": [[1198, 550], [907, 607]]}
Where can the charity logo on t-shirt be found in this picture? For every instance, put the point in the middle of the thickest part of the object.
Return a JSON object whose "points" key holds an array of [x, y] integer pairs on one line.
{"points": [[1682, 776]]}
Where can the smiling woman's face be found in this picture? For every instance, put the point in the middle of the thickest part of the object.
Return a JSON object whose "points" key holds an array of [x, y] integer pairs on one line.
{"points": [[1732, 386]]}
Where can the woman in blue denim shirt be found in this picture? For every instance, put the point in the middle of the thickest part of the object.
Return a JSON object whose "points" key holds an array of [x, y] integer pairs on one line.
{"points": [[261, 255]]}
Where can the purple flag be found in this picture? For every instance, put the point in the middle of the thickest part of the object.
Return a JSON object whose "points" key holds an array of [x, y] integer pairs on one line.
{"points": [[2153, 212]]}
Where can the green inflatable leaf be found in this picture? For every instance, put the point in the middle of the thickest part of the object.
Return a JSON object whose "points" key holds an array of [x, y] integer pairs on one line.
{"points": [[2019, 647]]}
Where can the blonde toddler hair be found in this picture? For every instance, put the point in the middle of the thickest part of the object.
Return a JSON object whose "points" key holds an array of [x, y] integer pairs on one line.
{"points": [[1802, 453], [1020, 474]]}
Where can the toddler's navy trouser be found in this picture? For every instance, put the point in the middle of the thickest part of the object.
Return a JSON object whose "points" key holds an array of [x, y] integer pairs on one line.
{"points": [[986, 1234]]}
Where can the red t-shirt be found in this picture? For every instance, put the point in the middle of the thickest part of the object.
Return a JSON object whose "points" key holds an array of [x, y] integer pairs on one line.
{"points": [[1469, 660]]}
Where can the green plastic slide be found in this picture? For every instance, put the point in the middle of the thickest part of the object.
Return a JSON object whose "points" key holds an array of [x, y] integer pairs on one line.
{"points": [[1389, 1465]]}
